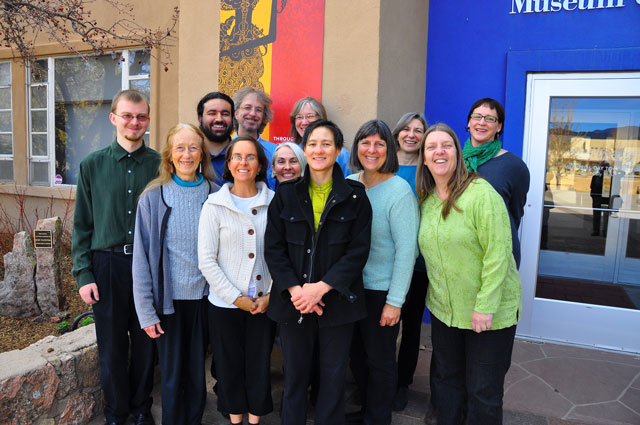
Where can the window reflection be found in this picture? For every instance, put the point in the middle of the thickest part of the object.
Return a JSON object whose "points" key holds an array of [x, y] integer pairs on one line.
{"points": [[83, 93], [593, 148], [590, 238]]}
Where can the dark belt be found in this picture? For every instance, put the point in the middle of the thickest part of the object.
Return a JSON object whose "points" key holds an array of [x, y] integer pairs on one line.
{"points": [[126, 249]]}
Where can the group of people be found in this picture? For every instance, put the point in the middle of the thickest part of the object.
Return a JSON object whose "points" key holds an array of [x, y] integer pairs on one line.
{"points": [[232, 240]]}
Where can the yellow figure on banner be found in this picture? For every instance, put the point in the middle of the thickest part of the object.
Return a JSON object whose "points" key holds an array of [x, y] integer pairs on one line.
{"points": [[244, 44]]}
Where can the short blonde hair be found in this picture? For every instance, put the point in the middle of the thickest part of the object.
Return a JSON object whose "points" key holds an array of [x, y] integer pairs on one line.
{"points": [[131, 95]]}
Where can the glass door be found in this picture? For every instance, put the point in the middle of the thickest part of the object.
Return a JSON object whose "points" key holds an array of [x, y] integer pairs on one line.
{"points": [[582, 146]]}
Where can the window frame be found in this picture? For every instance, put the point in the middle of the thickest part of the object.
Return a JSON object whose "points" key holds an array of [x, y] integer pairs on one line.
{"points": [[50, 158], [9, 157]]}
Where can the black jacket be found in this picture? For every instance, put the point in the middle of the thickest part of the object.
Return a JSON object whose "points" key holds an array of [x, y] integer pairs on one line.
{"points": [[336, 255]]}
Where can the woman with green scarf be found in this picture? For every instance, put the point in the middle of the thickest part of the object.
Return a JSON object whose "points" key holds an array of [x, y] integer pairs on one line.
{"points": [[483, 154]]}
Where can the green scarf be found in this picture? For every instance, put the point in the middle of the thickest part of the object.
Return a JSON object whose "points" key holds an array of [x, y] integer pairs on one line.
{"points": [[476, 156]]}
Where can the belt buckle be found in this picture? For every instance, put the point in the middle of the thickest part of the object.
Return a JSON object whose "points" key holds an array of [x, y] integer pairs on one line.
{"points": [[127, 249]]}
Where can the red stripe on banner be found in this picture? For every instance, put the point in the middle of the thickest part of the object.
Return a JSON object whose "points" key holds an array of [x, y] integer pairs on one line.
{"points": [[296, 67]]}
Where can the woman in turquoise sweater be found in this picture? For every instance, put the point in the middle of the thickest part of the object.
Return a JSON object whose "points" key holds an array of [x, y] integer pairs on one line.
{"points": [[388, 271], [475, 291]]}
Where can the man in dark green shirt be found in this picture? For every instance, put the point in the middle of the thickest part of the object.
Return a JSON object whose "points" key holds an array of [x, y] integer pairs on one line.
{"points": [[109, 184]]}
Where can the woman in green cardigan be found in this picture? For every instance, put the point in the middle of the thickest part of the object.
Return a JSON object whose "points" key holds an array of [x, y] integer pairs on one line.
{"points": [[475, 291]]}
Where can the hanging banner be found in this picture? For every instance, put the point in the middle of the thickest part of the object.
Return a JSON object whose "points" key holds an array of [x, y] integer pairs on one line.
{"points": [[275, 46]]}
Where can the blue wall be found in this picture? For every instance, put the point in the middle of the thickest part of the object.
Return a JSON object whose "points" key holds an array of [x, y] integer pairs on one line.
{"points": [[478, 49]]}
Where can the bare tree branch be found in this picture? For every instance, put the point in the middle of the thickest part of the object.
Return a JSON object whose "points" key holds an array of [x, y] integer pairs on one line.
{"points": [[65, 21]]}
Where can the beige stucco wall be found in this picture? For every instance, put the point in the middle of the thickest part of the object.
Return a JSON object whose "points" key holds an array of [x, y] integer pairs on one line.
{"points": [[198, 54], [350, 63], [374, 62], [403, 58]]}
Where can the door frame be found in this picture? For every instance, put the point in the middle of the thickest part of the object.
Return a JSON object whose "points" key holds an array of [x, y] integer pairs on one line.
{"points": [[563, 321]]}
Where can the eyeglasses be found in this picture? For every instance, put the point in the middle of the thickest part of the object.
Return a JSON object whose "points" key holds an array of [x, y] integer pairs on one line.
{"points": [[309, 117], [129, 117], [249, 108], [238, 158], [487, 118]]}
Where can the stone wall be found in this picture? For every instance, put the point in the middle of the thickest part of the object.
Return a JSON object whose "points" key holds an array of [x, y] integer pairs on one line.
{"points": [[55, 381]]}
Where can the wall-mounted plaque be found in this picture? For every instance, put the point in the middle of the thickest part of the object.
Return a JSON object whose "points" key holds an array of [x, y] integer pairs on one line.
{"points": [[43, 239]]}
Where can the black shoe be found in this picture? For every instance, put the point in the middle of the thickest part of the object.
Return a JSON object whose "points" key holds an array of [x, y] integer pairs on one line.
{"points": [[113, 423], [401, 399], [144, 419]]}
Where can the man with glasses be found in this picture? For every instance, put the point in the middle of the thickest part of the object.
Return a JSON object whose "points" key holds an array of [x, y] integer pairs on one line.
{"points": [[215, 114], [109, 184], [253, 113]]}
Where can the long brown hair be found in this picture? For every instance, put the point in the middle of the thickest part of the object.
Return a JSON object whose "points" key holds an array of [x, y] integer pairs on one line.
{"points": [[457, 184], [166, 168]]}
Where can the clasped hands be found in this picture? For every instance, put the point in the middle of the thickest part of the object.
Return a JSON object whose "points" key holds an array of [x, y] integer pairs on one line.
{"points": [[308, 297], [252, 305]]}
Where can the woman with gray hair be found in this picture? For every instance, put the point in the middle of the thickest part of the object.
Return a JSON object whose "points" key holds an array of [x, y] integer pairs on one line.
{"points": [[288, 162]]}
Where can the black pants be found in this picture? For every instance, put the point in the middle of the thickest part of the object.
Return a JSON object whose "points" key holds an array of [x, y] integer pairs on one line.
{"points": [[373, 361], [298, 343], [470, 369], [182, 353], [241, 344], [126, 384], [412, 312]]}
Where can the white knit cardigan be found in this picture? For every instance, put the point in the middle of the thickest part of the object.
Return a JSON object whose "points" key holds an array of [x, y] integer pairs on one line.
{"points": [[229, 245]]}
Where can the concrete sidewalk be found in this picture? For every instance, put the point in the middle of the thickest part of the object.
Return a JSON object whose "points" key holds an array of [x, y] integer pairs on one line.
{"points": [[548, 384]]}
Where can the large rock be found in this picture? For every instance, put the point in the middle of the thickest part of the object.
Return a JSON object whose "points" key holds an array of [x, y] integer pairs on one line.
{"points": [[49, 272], [25, 398], [18, 290], [53, 381], [79, 410]]}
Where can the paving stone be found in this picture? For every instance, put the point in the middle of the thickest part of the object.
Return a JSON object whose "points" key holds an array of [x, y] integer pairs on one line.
{"points": [[524, 351], [584, 381], [533, 395], [522, 418], [556, 421], [612, 413], [636, 382], [515, 374], [631, 399], [556, 350]]}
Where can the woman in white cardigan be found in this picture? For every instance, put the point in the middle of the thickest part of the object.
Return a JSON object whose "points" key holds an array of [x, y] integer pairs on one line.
{"points": [[231, 258]]}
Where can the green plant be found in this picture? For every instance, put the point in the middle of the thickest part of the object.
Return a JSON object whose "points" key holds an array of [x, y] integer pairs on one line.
{"points": [[86, 321], [64, 327]]}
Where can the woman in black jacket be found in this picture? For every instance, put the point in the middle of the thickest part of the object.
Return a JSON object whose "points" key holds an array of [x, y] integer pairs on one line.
{"points": [[316, 245]]}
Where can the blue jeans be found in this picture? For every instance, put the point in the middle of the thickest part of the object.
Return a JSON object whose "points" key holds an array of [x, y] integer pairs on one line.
{"points": [[469, 373]]}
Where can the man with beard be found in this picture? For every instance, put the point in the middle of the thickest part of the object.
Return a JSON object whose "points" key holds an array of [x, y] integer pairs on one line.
{"points": [[253, 113], [109, 184], [215, 114]]}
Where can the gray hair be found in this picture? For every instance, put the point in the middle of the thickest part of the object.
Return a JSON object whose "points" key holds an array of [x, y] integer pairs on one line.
{"points": [[297, 151], [264, 98]]}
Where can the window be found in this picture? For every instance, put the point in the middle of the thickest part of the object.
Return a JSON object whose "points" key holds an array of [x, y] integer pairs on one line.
{"points": [[6, 124], [69, 103]]}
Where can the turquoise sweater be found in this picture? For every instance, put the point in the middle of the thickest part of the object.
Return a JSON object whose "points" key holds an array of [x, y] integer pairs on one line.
{"points": [[394, 232]]}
